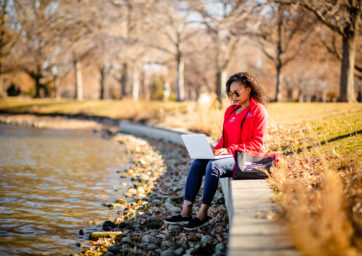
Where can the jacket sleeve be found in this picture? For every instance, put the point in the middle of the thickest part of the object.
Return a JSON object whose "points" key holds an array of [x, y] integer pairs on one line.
{"points": [[255, 143]]}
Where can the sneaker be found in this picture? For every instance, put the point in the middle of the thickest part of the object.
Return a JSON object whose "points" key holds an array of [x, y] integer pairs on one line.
{"points": [[177, 219], [196, 223]]}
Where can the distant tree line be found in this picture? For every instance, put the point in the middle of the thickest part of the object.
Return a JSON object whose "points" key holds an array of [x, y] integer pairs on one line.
{"points": [[153, 49]]}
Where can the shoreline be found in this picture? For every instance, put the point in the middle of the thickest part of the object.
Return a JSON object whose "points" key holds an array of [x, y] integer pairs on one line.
{"points": [[158, 171]]}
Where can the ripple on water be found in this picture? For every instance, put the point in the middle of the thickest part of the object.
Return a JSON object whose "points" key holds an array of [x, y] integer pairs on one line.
{"points": [[52, 182]]}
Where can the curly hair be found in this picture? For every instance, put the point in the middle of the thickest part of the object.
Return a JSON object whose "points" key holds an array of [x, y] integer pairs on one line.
{"points": [[257, 91]]}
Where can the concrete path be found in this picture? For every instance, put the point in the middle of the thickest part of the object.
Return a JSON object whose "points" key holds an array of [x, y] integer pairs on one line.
{"points": [[247, 201]]}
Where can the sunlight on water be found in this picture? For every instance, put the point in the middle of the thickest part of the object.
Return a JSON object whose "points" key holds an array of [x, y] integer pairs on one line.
{"points": [[52, 182]]}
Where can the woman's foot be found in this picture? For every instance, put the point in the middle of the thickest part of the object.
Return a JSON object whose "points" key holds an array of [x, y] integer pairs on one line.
{"points": [[196, 223], [178, 219]]}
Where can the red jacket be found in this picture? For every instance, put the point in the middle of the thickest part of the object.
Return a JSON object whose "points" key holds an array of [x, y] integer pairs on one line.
{"points": [[252, 131]]}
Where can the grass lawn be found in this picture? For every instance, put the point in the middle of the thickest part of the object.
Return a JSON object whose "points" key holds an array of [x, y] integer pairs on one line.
{"points": [[318, 183]]}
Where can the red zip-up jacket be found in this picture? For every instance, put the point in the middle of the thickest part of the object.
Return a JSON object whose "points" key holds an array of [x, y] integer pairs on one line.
{"points": [[251, 135]]}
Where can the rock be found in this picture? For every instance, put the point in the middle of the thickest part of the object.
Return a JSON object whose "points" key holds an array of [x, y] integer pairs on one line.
{"points": [[154, 222], [126, 240], [171, 208], [108, 225], [179, 251], [167, 244], [114, 249], [174, 228], [218, 253], [207, 239], [156, 202], [108, 254], [167, 253], [149, 239], [151, 247], [81, 232], [220, 247]]}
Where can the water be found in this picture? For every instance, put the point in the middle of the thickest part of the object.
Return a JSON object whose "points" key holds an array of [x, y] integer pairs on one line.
{"points": [[52, 182]]}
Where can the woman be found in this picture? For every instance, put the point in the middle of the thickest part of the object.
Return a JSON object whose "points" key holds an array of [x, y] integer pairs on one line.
{"points": [[245, 124]]}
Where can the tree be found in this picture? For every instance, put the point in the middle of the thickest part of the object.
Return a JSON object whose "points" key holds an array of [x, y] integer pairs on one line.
{"points": [[344, 18], [282, 32], [224, 21], [7, 41]]}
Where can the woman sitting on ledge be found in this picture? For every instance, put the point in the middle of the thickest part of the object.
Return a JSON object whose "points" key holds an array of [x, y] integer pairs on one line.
{"points": [[245, 124]]}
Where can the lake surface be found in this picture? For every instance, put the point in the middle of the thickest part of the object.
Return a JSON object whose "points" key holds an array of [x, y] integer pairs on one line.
{"points": [[52, 182]]}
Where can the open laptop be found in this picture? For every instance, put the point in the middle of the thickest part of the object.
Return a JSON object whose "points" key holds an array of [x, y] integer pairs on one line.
{"points": [[198, 147]]}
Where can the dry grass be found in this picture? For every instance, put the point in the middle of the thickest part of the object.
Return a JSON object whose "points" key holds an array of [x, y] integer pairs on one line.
{"points": [[319, 182]]}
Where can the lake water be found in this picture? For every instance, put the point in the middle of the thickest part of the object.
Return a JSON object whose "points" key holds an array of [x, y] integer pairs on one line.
{"points": [[52, 182]]}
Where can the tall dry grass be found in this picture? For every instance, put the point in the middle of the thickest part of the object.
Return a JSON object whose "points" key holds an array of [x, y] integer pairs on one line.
{"points": [[319, 194]]}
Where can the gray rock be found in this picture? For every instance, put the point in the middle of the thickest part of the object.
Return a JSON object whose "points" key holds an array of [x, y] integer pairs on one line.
{"points": [[167, 244], [207, 239], [171, 208], [218, 253], [156, 202], [108, 254], [220, 247], [126, 240], [154, 222], [152, 247], [174, 228], [167, 253], [179, 251], [125, 251], [149, 239], [114, 249]]}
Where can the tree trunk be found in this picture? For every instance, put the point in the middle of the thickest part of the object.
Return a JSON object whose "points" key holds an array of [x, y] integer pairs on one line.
{"points": [[278, 64], [136, 84], [346, 92], [220, 84], [124, 81], [180, 79], [101, 83], [37, 86], [78, 80]]}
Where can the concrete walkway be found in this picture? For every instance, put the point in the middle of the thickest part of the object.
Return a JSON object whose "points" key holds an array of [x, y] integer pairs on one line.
{"points": [[248, 203]]}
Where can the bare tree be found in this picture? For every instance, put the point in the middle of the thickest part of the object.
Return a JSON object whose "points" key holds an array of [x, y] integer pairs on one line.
{"points": [[281, 33], [224, 20], [343, 17]]}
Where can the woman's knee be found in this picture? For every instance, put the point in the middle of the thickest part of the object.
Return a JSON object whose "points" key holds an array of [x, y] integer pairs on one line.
{"points": [[213, 169]]}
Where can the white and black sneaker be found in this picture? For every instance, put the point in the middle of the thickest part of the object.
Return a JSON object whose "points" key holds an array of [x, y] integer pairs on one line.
{"points": [[178, 219], [196, 223]]}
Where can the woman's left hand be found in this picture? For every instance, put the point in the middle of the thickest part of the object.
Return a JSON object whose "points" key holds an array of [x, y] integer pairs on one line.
{"points": [[221, 151]]}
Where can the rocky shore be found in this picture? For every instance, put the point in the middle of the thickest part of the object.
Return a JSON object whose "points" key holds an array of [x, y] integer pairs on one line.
{"points": [[157, 171]]}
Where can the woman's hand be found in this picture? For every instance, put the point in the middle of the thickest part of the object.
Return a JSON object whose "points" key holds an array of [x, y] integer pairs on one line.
{"points": [[221, 151]]}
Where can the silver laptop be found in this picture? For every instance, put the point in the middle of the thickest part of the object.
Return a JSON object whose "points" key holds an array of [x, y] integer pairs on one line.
{"points": [[198, 147]]}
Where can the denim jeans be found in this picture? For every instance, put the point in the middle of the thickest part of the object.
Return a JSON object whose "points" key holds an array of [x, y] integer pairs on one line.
{"points": [[213, 170]]}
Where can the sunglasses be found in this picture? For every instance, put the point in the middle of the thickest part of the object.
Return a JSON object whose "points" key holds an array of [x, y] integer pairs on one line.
{"points": [[237, 93]]}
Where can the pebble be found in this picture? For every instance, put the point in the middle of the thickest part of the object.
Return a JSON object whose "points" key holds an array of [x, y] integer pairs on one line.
{"points": [[179, 251], [149, 239], [174, 228], [220, 247], [126, 240], [167, 253], [167, 244], [207, 239]]}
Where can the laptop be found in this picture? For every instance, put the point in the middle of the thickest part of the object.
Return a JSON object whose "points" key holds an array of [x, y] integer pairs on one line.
{"points": [[198, 147]]}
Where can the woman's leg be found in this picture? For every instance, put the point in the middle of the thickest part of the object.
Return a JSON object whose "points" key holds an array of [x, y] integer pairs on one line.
{"points": [[214, 170], [193, 184]]}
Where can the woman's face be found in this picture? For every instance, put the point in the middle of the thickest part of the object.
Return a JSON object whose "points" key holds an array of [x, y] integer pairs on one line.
{"points": [[242, 91]]}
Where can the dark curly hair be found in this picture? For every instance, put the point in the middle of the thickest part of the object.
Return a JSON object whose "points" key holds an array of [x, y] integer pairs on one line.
{"points": [[257, 91]]}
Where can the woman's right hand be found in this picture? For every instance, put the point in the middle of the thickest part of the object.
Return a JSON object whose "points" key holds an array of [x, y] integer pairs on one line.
{"points": [[221, 151]]}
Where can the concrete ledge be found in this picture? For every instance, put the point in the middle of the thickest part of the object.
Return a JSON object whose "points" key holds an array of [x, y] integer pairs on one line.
{"points": [[247, 203]]}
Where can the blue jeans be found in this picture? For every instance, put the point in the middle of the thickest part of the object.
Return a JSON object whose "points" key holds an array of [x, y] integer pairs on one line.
{"points": [[213, 170]]}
